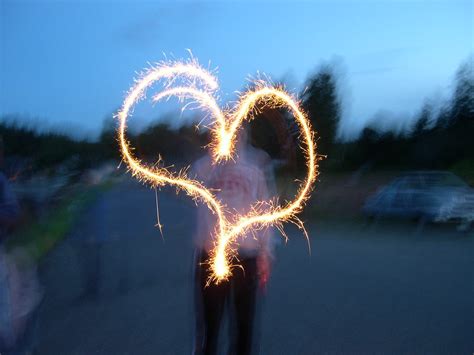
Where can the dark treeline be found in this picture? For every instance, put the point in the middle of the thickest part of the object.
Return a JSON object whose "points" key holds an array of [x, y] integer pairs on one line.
{"points": [[27, 150], [179, 147], [438, 139], [435, 141]]}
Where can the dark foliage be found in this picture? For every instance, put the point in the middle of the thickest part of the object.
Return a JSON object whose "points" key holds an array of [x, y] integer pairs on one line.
{"points": [[322, 105], [435, 142], [48, 150]]}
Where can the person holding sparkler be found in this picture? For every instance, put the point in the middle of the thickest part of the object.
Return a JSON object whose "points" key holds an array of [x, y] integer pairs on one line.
{"points": [[238, 183], [231, 183]]}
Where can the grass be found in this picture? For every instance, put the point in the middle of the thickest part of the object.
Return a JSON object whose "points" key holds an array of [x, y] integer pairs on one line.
{"points": [[40, 237]]}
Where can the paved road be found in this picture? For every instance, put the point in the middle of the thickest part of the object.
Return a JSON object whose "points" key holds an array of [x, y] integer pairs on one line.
{"points": [[365, 289]]}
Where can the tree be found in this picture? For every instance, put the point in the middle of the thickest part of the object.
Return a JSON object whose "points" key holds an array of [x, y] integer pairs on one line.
{"points": [[321, 102], [107, 138], [423, 120], [463, 98], [460, 129]]}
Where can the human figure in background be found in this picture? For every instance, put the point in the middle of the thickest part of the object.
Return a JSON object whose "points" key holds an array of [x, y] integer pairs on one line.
{"points": [[9, 214], [238, 183], [89, 236], [95, 244]]}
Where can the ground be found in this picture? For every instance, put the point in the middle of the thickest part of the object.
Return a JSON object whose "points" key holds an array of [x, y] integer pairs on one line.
{"points": [[388, 287]]}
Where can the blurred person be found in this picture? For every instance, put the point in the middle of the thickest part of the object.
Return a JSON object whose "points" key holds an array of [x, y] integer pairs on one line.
{"points": [[89, 236], [238, 183], [93, 241], [19, 288], [9, 214]]}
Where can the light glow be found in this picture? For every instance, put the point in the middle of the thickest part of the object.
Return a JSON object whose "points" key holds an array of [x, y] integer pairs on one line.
{"points": [[200, 86]]}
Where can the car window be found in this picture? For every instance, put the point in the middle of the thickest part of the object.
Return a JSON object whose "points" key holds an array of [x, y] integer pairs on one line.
{"points": [[409, 183], [444, 180]]}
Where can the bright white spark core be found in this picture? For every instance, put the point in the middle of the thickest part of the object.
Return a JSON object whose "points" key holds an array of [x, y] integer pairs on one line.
{"points": [[200, 85]]}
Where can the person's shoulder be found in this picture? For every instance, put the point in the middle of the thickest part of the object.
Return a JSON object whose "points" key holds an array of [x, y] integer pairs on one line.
{"points": [[261, 156], [202, 164]]}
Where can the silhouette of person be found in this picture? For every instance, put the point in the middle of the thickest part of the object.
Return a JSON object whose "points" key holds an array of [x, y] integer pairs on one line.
{"points": [[238, 183]]}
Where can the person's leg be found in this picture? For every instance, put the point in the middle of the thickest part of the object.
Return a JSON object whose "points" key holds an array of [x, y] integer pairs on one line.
{"points": [[209, 302], [244, 292]]}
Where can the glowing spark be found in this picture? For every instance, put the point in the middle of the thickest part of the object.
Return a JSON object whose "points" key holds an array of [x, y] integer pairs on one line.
{"points": [[158, 222], [198, 84]]}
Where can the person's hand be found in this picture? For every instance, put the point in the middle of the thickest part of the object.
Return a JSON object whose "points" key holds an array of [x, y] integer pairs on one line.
{"points": [[264, 268]]}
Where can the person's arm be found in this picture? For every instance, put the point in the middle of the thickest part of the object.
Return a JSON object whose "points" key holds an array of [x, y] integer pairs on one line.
{"points": [[200, 171], [266, 254]]}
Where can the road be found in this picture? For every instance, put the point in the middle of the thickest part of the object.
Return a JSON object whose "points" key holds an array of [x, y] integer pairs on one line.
{"points": [[365, 289]]}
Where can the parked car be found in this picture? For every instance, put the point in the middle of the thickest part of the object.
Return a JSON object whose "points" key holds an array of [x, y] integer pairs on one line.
{"points": [[436, 196]]}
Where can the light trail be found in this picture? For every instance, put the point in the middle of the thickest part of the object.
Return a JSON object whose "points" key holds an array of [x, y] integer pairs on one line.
{"points": [[200, 86]]}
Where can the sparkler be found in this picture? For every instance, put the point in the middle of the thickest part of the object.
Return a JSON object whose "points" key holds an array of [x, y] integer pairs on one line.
{"points": [[189, 81]]}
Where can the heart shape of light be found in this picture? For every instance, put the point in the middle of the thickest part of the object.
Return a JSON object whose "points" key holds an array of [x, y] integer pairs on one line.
{"points": [[200, 85]]}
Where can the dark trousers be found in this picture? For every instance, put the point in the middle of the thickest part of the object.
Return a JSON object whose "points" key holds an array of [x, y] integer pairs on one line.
{"points": [[238, 295]]}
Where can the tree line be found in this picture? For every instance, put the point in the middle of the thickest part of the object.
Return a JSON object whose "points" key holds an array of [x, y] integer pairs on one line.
{"points": [[437, 139]]}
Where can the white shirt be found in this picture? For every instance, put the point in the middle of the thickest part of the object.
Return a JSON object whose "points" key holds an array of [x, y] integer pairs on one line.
{"points": [[238, 184]]}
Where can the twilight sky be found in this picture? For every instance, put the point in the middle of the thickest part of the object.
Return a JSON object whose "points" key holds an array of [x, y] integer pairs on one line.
{"points": [[69, 63]]}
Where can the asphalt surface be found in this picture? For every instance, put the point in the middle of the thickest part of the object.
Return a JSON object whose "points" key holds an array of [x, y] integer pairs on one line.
{"points": [[116, 286]]}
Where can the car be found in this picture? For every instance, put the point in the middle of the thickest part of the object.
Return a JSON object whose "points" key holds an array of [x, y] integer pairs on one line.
{"points": [[436, 196]]}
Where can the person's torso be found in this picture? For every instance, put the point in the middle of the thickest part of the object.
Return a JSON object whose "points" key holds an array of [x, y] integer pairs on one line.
{"points": [[237, 185]]}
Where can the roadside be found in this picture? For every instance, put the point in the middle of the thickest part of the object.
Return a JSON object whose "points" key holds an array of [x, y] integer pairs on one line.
{"points": [[58, 208], [41, 236], [335, 299]]}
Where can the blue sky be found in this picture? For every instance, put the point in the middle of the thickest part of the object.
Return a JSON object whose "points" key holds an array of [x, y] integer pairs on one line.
{"points": [[69, 63]]}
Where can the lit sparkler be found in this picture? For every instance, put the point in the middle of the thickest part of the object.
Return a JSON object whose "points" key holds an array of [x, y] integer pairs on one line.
{"points": [[199, 85]]}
